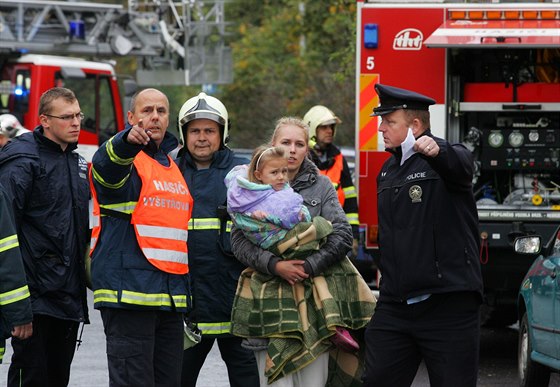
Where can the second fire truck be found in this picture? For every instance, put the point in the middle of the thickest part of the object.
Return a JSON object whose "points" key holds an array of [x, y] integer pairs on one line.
{"points": [[494, 70]]}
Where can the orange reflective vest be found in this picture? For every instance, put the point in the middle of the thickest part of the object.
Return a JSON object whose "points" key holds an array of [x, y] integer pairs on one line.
{"points": [[160, 217], [334, 173]]}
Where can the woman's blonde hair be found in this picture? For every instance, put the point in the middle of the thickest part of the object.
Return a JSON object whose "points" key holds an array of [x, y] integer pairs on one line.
{"points": [[293, 121], [261, 155]]}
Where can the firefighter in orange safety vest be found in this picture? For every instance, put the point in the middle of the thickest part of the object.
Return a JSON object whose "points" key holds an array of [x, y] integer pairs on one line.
{"points": [[139, 265], [330, 161]]}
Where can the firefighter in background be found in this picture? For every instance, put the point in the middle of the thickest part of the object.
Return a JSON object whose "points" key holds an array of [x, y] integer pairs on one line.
{"points": [[15, 308], [205, 160], [10, 128], [139, 253], [330, 161]]}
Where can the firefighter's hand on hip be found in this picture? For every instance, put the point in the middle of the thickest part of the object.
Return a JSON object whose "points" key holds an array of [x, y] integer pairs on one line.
{"points": [[138, 135], [426, 146]]}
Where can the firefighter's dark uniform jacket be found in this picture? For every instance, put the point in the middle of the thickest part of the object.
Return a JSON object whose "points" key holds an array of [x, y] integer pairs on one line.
{"points": [[214, 270], [49, 193], [15, 307], [344, 183], [122, 277], [428, 225]]}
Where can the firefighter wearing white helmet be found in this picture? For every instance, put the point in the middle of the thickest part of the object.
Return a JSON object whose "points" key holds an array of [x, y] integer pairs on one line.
{"points": [[205, 161], [330, 161], [10, 127], [204, 107]]}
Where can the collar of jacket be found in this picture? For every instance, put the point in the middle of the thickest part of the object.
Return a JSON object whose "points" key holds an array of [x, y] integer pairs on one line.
{"points": [[307, 173], [220, 159], [168, 143], [39, 134]]}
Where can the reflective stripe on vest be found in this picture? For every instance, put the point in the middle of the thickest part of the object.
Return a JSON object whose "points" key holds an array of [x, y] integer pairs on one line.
{"points": [[204, 224], [105, 295], [14, 295], [2, 350], [9, 243], [350, 192], [145, 299], [161, 215], [137, 298], [352, 218], [218, 328], [208, 224], [334, 173]]}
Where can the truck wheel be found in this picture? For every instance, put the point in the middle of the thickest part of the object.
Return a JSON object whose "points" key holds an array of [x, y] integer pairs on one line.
{"points": [[531, 374]]}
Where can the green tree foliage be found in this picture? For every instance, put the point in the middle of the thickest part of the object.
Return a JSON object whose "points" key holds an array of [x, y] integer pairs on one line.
{"points": [[288, 56]]}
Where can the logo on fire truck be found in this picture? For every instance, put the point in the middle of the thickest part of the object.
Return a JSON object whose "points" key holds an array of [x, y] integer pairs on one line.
{"points": [[408, 39]]}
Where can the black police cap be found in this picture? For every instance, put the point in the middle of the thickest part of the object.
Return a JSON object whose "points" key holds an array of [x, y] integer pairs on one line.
{"points": [[393, 98]]}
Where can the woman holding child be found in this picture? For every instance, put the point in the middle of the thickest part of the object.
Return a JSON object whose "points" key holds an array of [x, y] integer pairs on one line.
{"points": [[296, 353]]}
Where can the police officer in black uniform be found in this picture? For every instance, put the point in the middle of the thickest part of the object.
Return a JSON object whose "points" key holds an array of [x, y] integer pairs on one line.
{"points": [[431, 284]]}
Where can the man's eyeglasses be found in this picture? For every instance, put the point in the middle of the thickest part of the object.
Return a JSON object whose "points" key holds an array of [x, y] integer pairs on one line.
{"points": [[68, 117]]}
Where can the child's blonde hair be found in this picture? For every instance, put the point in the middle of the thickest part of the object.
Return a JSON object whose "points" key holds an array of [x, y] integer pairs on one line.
{"points": [[260, 156]]}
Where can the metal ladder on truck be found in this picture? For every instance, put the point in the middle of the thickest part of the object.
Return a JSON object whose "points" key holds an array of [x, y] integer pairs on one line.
{"points": [[174, 43]]}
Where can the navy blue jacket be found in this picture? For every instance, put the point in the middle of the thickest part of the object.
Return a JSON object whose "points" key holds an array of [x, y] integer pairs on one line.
{"points": [[49, 192], [15, 308], [428, 225], [122, 277], [214, 270]]}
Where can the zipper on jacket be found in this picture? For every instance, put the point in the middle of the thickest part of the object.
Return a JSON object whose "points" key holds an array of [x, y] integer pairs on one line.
{"points": [[436, 259], [439, 275]]}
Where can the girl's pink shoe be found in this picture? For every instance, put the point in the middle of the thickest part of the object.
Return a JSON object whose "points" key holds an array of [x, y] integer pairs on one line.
{"points": [[343, 340]]}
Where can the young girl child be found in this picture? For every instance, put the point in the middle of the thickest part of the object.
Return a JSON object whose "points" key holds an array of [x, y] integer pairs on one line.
{"points": [[272, 215]]}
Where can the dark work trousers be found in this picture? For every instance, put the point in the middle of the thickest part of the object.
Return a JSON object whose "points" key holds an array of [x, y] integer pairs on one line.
{"points": [[44, 359], [443, 330], [240, 362], [144, 347]]}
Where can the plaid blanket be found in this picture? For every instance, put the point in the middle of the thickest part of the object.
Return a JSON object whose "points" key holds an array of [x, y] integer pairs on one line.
{"points": [[299, 319]]}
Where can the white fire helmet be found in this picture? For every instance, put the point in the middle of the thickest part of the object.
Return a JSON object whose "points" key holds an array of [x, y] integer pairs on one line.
{"points": [[9, 125], [203, 106], [319, 115]]}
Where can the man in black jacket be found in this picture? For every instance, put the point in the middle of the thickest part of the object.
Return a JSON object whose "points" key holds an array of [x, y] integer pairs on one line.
{"points": [[431, 284], [47, 185]]}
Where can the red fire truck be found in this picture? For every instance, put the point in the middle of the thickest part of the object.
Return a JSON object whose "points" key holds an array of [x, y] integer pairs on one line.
{"points": [[494, 70], [24, 79]]}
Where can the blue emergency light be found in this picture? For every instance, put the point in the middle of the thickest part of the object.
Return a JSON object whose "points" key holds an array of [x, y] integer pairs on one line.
{"points": [[77, 29], [370, 35]]}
